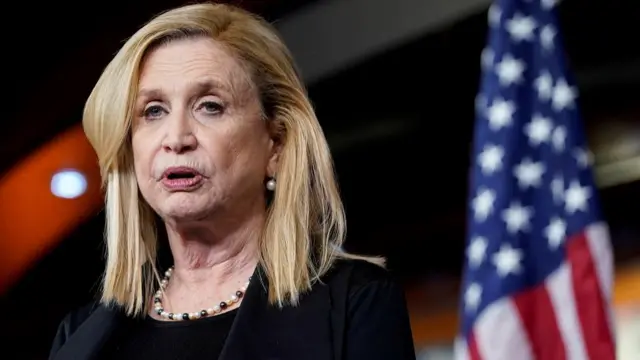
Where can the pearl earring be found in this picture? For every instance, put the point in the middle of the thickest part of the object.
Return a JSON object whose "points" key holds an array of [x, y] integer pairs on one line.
{"points": [[271, 184]]}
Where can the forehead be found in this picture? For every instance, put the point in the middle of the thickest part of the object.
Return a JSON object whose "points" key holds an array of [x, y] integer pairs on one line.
{"points": [[191, 62]]}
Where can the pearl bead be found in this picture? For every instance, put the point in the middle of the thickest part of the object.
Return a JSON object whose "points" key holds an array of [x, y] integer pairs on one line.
{"points": [[271, 184]]}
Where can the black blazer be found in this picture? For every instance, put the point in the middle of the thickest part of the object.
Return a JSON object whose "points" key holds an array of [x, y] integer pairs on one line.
{"points": [[356, 313]]}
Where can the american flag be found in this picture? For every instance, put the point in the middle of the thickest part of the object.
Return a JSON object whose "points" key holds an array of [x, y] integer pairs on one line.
{"points": [[539, 269]]}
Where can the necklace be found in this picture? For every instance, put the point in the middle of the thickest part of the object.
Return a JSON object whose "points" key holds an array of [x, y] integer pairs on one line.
{"points": [[224, 305]]}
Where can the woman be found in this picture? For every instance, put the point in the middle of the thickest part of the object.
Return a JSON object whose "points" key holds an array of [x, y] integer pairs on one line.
{"points": [[202, 120]]}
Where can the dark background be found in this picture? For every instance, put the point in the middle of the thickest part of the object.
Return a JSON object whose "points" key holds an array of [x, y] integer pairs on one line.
{"points": [[407, 115]]}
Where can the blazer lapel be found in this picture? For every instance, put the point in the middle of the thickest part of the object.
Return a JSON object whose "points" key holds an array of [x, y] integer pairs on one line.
{"points": [[88, 339], [243, 336], [265, 332]]}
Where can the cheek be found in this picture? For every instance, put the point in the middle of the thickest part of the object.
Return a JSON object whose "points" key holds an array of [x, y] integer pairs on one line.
{"points": [[248, 155], [142, 156], [222, 149], [244, 152]]}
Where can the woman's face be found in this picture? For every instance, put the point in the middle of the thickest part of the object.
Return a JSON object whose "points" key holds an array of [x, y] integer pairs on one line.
{"points": [[200, 143]]}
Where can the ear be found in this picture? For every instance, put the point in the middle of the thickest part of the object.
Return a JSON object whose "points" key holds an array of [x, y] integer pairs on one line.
{"points": [[276, 134], [275, 148]]}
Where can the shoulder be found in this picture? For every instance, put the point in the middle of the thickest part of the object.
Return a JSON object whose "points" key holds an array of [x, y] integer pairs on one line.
{"points": [[76, 317], [356, 276], [359, 270], [373, 309], [70, 324]]}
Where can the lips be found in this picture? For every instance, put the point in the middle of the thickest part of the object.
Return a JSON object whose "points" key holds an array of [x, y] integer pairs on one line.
{"points": [[181, 179]]}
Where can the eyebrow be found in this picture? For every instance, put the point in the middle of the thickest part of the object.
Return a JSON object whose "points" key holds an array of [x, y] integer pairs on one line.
{"points": [[200, 86]]}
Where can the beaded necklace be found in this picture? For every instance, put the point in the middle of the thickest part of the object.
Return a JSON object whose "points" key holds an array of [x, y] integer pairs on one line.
{"points": [[222, 306]]}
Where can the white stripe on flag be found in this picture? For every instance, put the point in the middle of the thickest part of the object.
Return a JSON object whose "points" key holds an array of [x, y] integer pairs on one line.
{"points": [[560, 288], [461, 349], [499, 333], [600, 249]]}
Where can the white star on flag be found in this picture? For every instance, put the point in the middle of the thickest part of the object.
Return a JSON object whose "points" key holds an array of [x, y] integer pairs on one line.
{"points": [[490, 159], [584, 158], [483, 204], [472, 296], [508, 260], [555, 232], [510, 70], [558, 138], [544, 85], [500, 113], [476, 251], [517, 217], [529, 173], [486, 58], [577, 197], [547, 36], [521, 27], [538, 130], [564, 96], [494, 15], [548, 4]]}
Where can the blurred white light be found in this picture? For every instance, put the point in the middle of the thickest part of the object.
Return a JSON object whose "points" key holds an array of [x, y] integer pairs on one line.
{"points": [[68, 184]]}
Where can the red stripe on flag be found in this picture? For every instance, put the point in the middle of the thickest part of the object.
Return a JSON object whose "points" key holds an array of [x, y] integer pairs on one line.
{"points": [[472, 346], [591, 307], [539, 321]]}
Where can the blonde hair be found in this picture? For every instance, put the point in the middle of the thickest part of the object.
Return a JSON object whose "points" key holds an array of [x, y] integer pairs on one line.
{"points": [[305, 225]]}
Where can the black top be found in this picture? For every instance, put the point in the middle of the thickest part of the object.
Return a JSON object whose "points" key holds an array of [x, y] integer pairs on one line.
{"points": [[357, 312], [152, 339]]}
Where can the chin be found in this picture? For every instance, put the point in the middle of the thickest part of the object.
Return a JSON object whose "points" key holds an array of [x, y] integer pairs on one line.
{"points": [[184, 207]]}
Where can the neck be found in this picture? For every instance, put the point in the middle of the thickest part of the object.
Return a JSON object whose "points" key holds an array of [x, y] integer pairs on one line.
{"points": [[216, 252]]}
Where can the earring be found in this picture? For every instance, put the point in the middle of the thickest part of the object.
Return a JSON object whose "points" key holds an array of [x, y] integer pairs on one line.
{"points": [[271, 184]]}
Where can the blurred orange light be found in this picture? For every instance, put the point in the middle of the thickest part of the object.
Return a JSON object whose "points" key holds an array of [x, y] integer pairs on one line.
{"points": [[32, 219], [627, 286]]}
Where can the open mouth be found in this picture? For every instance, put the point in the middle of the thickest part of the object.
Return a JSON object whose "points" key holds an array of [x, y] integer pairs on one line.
{"points": [[181, 179], [181, 175]]}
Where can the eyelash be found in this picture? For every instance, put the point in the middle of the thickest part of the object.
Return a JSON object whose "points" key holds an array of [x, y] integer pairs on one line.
{"points": [[218, 109], [148, 110]]}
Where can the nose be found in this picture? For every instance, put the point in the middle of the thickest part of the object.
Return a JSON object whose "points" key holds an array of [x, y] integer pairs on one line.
{"points": [[179, 137]]}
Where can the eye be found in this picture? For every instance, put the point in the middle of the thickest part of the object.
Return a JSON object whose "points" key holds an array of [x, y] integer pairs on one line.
{"points": [[210, 107], [153, 112]]}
